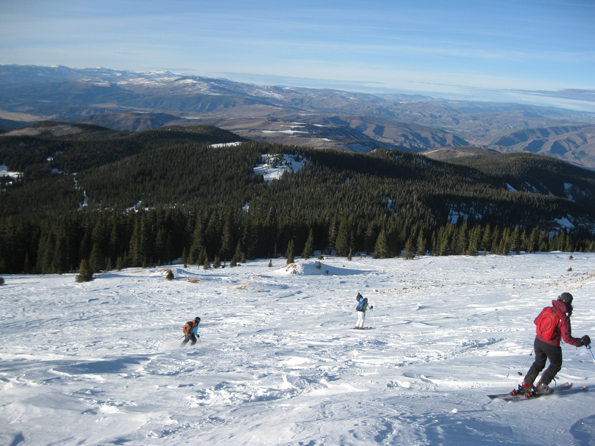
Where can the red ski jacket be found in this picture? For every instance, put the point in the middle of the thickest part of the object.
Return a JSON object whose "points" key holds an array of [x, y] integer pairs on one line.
{"points": [[563, 330]]}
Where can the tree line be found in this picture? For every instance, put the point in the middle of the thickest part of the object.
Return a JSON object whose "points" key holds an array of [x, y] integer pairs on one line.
{"points": [[213, 235]]}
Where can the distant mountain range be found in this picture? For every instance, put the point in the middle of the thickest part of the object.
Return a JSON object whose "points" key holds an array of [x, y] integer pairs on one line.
{"points": [[126, 100]]}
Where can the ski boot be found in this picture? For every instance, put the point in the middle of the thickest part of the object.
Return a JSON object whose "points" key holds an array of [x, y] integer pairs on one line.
{"points": [[542, 389], [524, 389]]}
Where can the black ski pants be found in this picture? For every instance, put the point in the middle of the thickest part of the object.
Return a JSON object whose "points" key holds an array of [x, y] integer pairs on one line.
{"points": [[189, 337], [543, 352]]}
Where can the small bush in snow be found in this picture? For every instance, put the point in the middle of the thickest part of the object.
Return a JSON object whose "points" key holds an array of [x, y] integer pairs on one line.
{"points": [[85, 273]]}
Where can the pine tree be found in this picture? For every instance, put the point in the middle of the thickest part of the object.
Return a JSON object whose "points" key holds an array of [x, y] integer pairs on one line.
{"points": [[515, 240], [504, 246], [332, 234], [461, 240], [160, 240], [370, 238], [213, 233], [237, 255], [533, 243], [120, 264], [381, 248], [115, 240], [45, 252], [569, 246], [421, 244], [544, 242], [96, 259], [85, 273], [342, 241], [474, 240], [444, 240], [289, 252], [486, 241], [197, 242], [408, 253], [227, 237], [309, 248]]}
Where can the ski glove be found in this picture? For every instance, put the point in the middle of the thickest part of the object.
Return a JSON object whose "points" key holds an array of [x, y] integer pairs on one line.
{"points": [[585, 340]]}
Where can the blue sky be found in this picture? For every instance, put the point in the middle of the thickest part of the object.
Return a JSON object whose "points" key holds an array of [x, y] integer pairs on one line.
{"points": [[523, 51]]}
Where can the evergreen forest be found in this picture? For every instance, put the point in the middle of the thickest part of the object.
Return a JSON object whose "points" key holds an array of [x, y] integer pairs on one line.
{"points": [[119, 199]]}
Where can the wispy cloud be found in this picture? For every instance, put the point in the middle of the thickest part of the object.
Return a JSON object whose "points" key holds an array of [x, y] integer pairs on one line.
{"points": [[572, 94]]}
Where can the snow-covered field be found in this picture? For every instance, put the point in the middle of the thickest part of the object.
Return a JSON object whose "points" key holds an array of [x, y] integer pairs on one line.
{"points": [[278, 364]]}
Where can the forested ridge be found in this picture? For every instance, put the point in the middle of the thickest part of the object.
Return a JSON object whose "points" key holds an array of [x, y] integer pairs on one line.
{"points": [[152, 197]]}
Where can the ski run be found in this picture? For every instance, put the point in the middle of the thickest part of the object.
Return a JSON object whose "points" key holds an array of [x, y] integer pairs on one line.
{"points": [[278, 361]]}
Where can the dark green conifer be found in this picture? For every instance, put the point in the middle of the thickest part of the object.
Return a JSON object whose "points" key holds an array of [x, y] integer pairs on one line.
{"points": [[309, 248], [421, 244], [85, 273], [408, 253], [289, 252], [381, 248], [342, 239]]}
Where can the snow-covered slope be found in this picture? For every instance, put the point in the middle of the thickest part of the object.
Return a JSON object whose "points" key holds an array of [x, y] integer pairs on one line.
{"points": [[278, 363]]}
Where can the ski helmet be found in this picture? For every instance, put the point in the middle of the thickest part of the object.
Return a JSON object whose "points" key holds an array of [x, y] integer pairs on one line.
{"points": [[197, 319], [566, 298]]}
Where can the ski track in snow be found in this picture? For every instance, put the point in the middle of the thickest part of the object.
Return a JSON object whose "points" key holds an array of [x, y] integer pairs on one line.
{"points": [[277, 362]]}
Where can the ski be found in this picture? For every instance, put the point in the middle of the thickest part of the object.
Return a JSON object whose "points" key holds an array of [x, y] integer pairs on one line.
{"points": [[519, 397], [363, 328]]}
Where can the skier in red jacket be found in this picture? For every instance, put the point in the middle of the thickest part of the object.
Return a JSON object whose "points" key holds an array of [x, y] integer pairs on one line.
{"points": [[552, 325], [190, 331]]}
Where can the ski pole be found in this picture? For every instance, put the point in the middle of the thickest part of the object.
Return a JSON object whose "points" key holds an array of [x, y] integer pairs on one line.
{"points": [[523, 369], [590, 351]]}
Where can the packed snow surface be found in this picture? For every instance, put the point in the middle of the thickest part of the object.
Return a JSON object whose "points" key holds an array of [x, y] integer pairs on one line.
{"points": [[278, 362]]}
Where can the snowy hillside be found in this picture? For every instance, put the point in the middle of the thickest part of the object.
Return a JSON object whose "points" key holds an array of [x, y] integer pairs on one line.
{"points": [[278, 363]]}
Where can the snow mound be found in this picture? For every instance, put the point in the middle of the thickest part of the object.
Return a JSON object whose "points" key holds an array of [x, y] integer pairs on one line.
{"points": [[316, 268]]}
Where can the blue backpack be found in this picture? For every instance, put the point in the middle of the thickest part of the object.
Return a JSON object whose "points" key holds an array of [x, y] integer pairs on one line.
{"points": [[363, 304]]}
